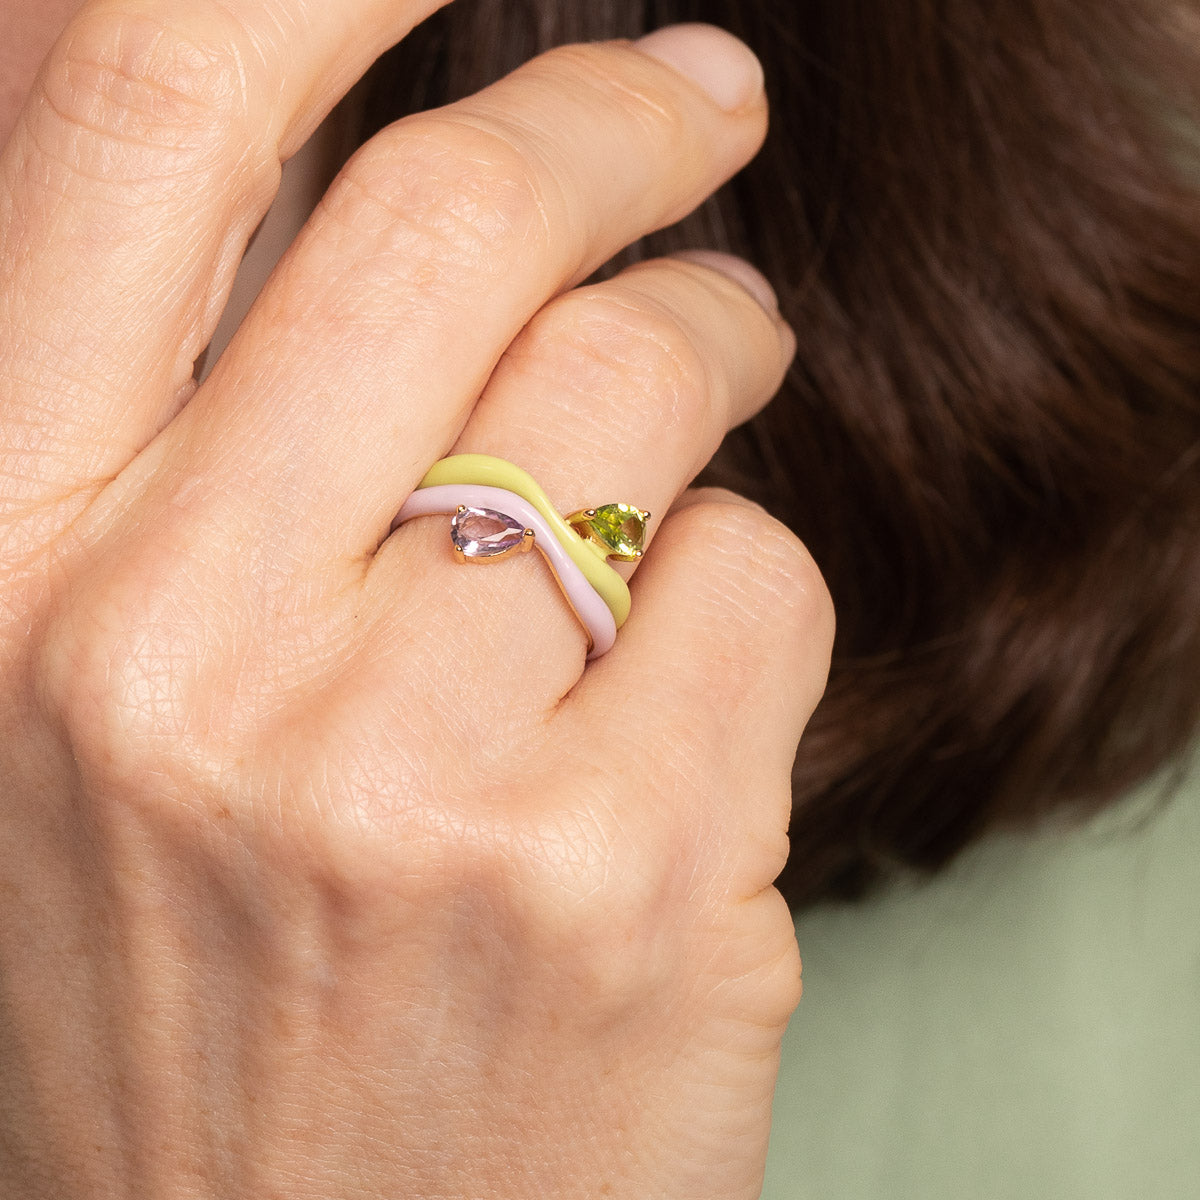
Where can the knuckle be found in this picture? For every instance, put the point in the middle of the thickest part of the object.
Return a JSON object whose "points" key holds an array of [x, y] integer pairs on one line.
{"points": [[612, 886], [623, 83], [438, 196], [151, 88], [120, 675], [760, 573], [606, 341], [775, 980], [568, 887]]}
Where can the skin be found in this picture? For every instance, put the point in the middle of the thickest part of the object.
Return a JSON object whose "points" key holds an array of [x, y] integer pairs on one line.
{"points": [[29, 32], [327, 868]]}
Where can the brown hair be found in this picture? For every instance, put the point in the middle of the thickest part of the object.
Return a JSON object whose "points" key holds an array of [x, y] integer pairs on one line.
{"points": [[979, 219]]}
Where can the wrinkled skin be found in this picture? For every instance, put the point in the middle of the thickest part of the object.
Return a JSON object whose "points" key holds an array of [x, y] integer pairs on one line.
{"points": [[328, 867]]}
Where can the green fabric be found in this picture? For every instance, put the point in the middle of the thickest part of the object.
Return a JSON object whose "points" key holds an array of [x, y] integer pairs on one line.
{"points": [[1027, 1027]]}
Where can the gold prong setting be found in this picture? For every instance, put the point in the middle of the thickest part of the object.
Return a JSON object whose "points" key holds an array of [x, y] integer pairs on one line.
{"points": [[488, 535], [620, 529]]}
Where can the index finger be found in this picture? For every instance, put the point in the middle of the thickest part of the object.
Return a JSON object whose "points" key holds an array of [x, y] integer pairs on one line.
{"points": [[147, 153]]}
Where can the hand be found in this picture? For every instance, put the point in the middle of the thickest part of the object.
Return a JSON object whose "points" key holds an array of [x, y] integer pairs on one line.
{"points": [[328, 869]]}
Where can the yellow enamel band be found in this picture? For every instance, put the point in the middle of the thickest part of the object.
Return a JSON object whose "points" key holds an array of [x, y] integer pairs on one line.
{"points": [[497, 472]]}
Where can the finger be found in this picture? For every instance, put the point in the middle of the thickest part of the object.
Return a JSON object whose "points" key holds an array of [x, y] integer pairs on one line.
{"points": [[618, 392], [360, 362], [727, 651], [147, 153]]}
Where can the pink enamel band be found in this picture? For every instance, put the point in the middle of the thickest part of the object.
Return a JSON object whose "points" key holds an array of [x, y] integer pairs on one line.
{"points": [[445, 499]]}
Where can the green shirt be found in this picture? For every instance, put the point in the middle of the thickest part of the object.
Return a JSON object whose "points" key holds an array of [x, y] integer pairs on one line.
{"points": [[1026, 1027]]}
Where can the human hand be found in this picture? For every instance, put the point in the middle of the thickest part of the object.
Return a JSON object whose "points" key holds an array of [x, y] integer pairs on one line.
{"points": [[328, 870]]}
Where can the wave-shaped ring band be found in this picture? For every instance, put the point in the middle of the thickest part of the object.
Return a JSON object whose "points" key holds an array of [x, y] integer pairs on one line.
{"points": [[588, 605], [588, 555]]}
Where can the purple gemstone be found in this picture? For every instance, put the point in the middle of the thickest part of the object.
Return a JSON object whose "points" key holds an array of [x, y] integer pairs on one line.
{"points": [[485, 533]]}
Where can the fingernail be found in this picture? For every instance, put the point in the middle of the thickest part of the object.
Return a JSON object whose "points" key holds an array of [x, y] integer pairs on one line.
{"points": [[716, 61], [740, 271]]}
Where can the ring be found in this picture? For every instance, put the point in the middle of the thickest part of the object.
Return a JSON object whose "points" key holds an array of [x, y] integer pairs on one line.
{"points": [[499, 510]]}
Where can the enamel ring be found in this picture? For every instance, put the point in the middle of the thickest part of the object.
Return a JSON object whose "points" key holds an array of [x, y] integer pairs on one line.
{"points": [[498, 510]]}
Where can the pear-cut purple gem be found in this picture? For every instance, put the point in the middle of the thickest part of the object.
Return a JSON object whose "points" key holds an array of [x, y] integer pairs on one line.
{"points": [[485, 533]]}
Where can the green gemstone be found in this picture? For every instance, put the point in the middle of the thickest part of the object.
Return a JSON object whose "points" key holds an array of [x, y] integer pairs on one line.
{"points": [[620, 528]]}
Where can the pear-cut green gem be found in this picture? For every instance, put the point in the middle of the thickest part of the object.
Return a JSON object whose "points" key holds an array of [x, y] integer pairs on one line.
{"points": [[620, 528]]}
